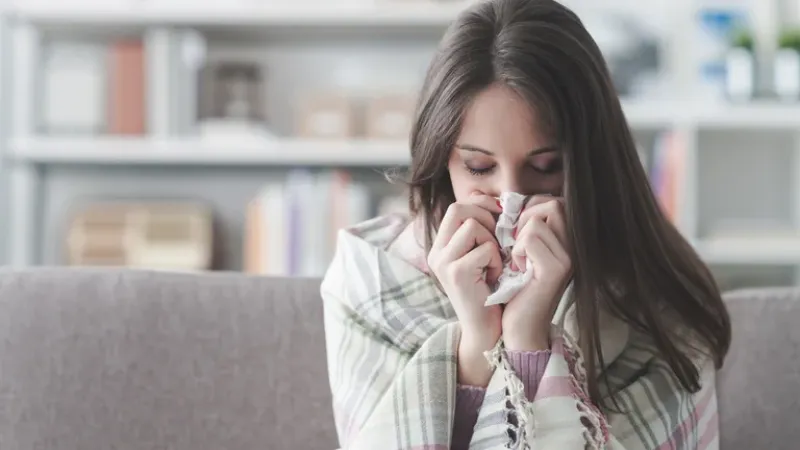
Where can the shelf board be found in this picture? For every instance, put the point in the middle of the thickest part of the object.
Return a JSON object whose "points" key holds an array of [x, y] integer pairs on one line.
{"points": [[285, 152], [755, 115], [648, 114], [756, 250], [761, 115], [233, 13], [209, 152]]}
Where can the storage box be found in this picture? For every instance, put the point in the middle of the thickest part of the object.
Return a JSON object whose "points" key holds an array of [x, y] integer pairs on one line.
{"points": [[389, 116], [326, 116], [155, 236]]}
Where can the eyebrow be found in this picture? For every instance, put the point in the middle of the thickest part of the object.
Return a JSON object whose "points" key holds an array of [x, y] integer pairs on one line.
{"points": [[536, 151]]}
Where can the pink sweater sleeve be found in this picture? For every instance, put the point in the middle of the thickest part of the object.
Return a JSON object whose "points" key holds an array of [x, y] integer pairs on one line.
{"points": [[529, 367]]}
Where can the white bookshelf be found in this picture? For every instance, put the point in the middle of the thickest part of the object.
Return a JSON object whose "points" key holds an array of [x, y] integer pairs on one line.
{"points": [[719, 137]]}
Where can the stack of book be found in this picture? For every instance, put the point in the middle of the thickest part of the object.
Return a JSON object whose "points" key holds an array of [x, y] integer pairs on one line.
{"points": [[291, 227]]}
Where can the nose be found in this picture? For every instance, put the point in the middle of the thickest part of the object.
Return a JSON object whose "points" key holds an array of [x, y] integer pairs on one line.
{"points": [[503, 186], [510, 181]]}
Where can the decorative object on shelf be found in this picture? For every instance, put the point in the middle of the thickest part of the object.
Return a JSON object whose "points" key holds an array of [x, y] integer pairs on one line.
{"points": [[389, 116], [163, 236], [73, 85], [787, 65], [631, 50], [326, 116], [716, 25], [231, 100], [741, 67], [127, 88]]}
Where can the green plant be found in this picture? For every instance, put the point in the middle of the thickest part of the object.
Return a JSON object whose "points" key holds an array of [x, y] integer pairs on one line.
{"points": [[789, 38], [742, 38]]}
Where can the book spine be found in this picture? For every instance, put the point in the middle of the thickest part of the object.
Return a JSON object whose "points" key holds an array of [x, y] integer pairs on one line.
{"points": [[127, 88]]}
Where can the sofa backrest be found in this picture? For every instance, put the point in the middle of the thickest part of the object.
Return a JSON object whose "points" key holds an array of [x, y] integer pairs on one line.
{"points": [[134, 360], [101, 359], [758, 388]]}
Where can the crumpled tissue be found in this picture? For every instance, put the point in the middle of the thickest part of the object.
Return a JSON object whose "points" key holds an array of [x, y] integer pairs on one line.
{"points": [[510, 281]]}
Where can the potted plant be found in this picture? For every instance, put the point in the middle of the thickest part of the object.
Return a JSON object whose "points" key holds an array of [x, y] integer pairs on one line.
{"points": [[787, 65], [741, 66]]}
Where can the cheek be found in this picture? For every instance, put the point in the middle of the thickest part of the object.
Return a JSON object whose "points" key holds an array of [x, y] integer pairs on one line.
{"points": [[552, 184], [556, 185], [464, 184]]}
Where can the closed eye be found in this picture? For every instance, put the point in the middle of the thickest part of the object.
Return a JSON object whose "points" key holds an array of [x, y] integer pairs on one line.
{"points": [[479, 171], [556, 166]]}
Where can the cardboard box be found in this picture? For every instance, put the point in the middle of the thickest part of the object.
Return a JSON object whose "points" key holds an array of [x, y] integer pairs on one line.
{"points": [[389, 116], [326, 116], [165, 236]]}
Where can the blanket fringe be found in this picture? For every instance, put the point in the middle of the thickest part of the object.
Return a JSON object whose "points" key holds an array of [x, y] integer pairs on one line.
{"points": [[519, 411], [519, 414], [593, 420]]}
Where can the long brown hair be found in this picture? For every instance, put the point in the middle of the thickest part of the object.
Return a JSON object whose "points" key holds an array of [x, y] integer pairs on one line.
{"points": [[628, 258]]}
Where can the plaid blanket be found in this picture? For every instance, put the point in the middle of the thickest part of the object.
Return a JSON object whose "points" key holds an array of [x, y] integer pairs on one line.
{"points": [[391, 347]]}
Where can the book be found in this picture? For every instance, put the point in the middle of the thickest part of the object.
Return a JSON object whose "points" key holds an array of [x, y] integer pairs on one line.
{"points": [[667, 175], [291, 228], [127, 88], [74, 98]]}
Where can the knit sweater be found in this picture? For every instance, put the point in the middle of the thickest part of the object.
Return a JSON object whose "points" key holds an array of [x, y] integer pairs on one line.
{"points": [[529, 366]]}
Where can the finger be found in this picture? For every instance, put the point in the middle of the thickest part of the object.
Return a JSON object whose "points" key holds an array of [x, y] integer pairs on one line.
{"points": [[486, 202], [470, 235], [549, 210], [484, 257], [541, 198], [536, 227], [534, 250], [456, 215]]}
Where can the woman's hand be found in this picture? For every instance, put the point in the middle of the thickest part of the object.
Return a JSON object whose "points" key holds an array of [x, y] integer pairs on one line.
{"points": [[542, 242], [465, 256]]}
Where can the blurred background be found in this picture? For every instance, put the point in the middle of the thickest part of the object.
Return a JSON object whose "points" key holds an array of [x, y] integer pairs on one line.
{"points": [[241, 134]]}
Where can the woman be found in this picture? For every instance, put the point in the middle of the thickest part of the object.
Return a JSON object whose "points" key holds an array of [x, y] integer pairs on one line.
{"points": [[612, 341]]}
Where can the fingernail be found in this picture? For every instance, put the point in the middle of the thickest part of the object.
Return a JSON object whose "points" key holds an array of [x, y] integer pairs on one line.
{"points": [[514, 266]]}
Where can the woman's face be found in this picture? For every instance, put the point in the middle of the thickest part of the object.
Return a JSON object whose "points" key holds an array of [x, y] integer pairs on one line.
{"points": [[502, 148]]}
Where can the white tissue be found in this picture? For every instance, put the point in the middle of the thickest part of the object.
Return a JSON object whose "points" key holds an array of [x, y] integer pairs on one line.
{"points": [[510, 282]]}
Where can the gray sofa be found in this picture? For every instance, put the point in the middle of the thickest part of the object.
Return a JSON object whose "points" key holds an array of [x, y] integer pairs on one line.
{"points": [[132, 360]]}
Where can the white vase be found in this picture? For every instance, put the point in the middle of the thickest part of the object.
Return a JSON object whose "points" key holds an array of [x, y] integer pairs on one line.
{"points": [[740, 79], [787, 74]]}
